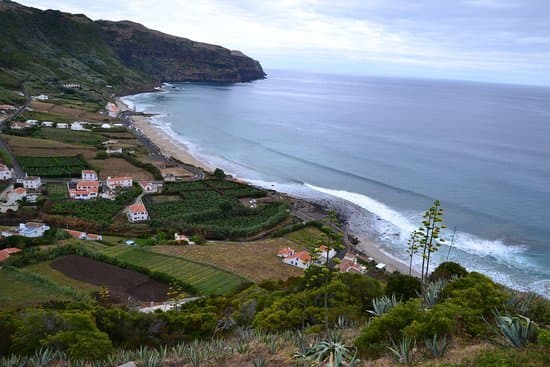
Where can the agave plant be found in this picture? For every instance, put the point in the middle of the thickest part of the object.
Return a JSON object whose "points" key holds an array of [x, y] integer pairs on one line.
{"points": [[331, 354], [259, 362], [402, 352], [13, 361], [152, 360], [516, 331], [42, 357], [431, 293], [382, 305], [437, 346]]}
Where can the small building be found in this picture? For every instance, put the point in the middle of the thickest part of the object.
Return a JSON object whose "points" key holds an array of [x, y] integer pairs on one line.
{"points": [[78, 126], [137, 213], [7, 252], [350, 264], [111, 150], [16, 194], [76, 234], [41, 97], [301, 259], [30, 182], [322, 253], [106, 126], [5, 172], [47, 123], [94, 237], [20, 125], [115, 182], [182, 238], [32, 122], [7, 107], [62, 125], [29, 229], [110, 141], [89, 175], [286, 252], [83, 190], [151, 186]]}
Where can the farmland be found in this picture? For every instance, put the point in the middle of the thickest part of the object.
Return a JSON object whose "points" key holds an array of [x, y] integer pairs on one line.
{"points": [[57, 191], [53, 166], [211, 207], [69, 136], [119, 167], [206, 279], [257, 260], [24, 146]]}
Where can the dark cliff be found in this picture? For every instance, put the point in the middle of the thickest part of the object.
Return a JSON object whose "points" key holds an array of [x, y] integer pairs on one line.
{"points": [[47, 47]]}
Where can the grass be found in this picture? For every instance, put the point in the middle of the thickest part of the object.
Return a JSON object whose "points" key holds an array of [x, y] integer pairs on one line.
{"points": [[119, 167], [24, 146], [57, 191], [256, 260], [52, 166], [18, 290], [70, 136], [45, 269], [306, 236], [207, 279]]}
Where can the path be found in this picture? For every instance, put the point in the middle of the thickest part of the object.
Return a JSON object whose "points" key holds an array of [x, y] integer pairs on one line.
{"points": [[19, 172]]}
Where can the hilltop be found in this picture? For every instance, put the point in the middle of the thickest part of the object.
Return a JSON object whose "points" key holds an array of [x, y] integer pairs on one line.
{"points": [[51, 49]]}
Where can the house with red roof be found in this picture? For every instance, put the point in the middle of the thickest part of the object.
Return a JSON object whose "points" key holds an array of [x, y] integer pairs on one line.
{"points": [[115, 182], [301, 259], [286, 252], [83, 190], [89, 175], [137, 213], [349, 264]]}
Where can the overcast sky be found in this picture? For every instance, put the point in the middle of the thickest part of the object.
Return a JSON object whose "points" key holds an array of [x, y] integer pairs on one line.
{"points": [[486, 40]]}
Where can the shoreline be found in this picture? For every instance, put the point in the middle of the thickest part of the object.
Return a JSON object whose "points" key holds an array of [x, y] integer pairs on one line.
{"points": [[171, 146]]}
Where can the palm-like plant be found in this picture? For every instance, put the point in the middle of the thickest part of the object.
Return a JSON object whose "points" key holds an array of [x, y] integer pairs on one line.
{"points": [[383, 305], [13, 361], [431, 293], [516, 331], [332, 354], [437, 346], [42, 357], [402, 351]]}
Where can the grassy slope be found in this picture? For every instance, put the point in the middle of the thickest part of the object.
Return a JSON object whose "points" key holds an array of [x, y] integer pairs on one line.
{"points": [[206, 279]]}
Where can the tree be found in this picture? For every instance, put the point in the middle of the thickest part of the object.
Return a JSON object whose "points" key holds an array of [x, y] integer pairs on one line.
{"points": [[413, 247], [219, 173], [429, 235]]}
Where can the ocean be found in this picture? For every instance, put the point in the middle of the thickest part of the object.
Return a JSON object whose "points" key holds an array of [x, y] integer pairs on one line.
{"points": [[384, 149]]}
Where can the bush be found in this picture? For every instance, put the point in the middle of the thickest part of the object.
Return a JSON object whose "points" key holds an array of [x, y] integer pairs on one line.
{"points": [[543, 337], [403, 286], [448, 270], [219, 174]]}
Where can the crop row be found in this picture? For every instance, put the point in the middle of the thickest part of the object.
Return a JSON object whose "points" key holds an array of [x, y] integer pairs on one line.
{"points": [[206, 279], [53, 166]]}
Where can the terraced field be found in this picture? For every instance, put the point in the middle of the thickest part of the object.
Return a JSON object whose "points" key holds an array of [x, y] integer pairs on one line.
{"points": [[206, 279]]}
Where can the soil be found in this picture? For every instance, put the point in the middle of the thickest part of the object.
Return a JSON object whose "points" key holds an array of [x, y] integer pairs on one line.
{"points": [[125, 286]]}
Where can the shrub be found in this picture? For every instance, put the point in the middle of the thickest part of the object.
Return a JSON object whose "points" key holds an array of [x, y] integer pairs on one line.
{"points": [[543, 337], [403, 286], [448, 270]]}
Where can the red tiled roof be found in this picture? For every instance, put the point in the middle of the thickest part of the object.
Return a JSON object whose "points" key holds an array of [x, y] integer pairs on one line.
{"points": [[93, 236], [285, 252], [302, 255], [74, 234], [3, 256], [20, 191], [137, 208], [11, 250]]}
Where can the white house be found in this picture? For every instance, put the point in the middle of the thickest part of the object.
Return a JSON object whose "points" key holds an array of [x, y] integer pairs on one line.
{"points": [[137, 213], [89, 175], [114, 150], [83, 190], [105, 126], [182, 238], [19, 125], [47, 123], [29, 229], [78, 126], [322, 254], [301, 259], [61, 125], [83, 235], [41, 97], [16, 194], [349, 264], [151, 186], [32, 122], [30, 182], [286, 252], [5, 172], [114, 182]]}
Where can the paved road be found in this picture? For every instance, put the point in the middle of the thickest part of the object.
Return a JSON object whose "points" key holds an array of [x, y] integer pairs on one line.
{"points": [[19, 172]]}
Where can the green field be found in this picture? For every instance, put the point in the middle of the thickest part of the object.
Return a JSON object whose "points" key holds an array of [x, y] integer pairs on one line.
{"points": [[53, 166], [57, 191], [70, 136], [206, 279]]}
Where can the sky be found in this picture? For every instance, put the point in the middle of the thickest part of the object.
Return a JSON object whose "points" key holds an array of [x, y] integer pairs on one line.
{"points": [[505, 41]]}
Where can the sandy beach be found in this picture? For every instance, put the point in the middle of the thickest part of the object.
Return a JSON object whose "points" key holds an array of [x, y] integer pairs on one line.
{"points": [[169, 145]]}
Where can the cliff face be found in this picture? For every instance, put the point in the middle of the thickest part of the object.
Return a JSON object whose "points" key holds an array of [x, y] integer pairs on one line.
{"points": [[169, 58], [49, 47]]}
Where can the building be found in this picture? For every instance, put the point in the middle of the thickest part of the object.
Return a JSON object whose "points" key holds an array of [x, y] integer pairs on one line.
{"points": [[137, 213], [349, 264], [322, 254], [29, 229], [7, 252], [89, 175], [114, 182], [94, 237], [83, 190], [106, 126], [182, 238], [113, 150], [30, 182], [301, 259], [47, 123], [32, 122], [5, 172], [41, 97], [20, 125], [16, 194], [110, 141], [151, 186], [62, 125], [7, 107], [76, 234], [78, 126], [286, 252]]}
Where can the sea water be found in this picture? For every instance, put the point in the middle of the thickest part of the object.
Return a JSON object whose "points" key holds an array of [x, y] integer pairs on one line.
{"points": [[390, 147]]}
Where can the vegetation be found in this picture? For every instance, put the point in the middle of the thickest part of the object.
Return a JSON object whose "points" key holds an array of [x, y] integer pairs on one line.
{"points": [[53, 166], [206, 279]]}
